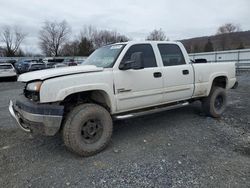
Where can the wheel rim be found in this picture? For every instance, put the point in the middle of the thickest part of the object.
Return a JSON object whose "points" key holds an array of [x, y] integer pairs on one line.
{"points": [[218, 103], [91, 131]]}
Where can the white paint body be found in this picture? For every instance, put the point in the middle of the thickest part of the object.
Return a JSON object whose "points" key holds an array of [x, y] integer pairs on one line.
{"points": [[144, 89], [7, 72]]}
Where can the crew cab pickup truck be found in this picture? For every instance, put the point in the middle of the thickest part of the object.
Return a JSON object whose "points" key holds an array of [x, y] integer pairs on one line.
{"points": [[117, 81]]}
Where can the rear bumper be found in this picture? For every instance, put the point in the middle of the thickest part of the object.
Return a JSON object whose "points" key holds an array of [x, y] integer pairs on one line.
{"points": [[7, 75], [235, 85], [44, 119], [232, 83]]}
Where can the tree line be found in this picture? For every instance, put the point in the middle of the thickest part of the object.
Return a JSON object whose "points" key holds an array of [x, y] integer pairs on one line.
{"points": [[222, 31], [55, 39], [229, 36]]}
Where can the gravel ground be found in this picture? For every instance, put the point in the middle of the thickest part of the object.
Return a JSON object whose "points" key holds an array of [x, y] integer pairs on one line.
{"points": [[178, 148]]}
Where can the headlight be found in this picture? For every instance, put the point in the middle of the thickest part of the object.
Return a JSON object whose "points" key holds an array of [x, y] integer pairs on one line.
{"points": [[34, 86]]}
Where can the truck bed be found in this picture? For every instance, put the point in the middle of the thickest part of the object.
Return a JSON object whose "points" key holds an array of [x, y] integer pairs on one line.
{"points": [[204, 74]]}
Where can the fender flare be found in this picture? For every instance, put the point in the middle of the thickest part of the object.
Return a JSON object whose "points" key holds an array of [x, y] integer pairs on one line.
{"points": [[62, 94], [214, 76]]}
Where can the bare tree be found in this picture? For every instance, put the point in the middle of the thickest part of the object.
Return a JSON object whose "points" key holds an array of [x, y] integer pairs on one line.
{"points": [[223, 31], [12, 38], [157, 35], [85, 47], [101, 37], [89, 39], [104, 37], [70, 49], [228, 28], [208, 46], [53, 36], [88, 32]]}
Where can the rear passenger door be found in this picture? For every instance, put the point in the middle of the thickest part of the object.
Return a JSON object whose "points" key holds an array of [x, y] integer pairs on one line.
{"points": [[142, 87], [178, 77]]}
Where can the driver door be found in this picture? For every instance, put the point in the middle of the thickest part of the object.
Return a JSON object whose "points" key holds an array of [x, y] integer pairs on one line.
{"points": [[139, 88]]}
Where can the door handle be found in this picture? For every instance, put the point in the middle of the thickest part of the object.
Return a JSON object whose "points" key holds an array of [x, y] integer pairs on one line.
{"points": [[157, 74], [185, 72]]}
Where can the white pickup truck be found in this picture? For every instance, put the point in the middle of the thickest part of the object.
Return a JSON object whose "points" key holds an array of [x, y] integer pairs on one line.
{"points": [[117, 81]]}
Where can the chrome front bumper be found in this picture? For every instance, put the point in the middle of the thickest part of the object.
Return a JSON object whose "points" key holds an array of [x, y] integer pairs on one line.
{"points": [[16, 116], [42, 119]]}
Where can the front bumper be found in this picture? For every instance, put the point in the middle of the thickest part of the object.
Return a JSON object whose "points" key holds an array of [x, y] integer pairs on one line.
{"points": [[44, 119]]}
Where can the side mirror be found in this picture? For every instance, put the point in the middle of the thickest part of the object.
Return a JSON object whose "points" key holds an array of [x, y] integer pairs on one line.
{"points": [[135, 62], [126, 65]]}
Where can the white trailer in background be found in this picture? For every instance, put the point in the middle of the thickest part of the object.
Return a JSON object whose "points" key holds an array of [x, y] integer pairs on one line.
{"points": [[241, 57]]}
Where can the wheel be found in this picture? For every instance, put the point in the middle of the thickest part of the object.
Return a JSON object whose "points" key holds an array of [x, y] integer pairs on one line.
{"points": [[87, 129], [215, 104]]}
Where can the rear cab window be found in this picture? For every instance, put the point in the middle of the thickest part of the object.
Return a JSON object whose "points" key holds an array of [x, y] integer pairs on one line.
{"points": [[148, 55], [171, 55]]}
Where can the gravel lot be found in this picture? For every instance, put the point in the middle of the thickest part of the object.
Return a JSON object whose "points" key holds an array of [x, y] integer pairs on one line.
{"points": [[178, 148]]}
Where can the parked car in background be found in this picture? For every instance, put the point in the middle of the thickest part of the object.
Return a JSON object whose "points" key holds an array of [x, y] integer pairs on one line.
{"points": [[50, 65], [7, 70], [70, 62], [79, 62], [59, 65], [51, 62], [22, 66], [11, 61], [36, 66]]}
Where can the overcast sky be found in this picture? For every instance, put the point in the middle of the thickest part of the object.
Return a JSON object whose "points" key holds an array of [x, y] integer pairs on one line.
{"points": [[179, 19]]}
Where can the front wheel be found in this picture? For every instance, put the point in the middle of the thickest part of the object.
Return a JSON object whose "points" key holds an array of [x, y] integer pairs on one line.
{"points": [[215, 104], [87, 129]]}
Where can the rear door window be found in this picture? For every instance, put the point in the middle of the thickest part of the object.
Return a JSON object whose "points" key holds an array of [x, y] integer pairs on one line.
{"points": [[171, 54]]}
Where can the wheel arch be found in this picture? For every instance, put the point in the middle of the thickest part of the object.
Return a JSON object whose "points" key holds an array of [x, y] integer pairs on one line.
{"points": [[219, 80], [98, 96]]}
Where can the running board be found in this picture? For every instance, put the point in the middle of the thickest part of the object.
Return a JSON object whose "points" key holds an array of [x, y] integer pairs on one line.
{"points": [[150, 111]]}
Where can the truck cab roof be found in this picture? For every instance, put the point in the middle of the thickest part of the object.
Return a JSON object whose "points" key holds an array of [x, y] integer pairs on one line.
{"points": [[149, 42]]}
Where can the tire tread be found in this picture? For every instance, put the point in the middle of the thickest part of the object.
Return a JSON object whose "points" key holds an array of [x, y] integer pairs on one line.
{"points": [[69, 137]]}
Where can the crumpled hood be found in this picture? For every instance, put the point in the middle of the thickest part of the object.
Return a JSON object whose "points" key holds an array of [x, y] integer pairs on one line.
{"points": [[55, 72]]}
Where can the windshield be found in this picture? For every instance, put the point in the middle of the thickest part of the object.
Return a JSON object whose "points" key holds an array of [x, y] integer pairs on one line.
{"points": [[5, 67], [104, 56]]}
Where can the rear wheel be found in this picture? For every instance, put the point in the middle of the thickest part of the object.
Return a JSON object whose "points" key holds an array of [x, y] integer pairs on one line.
{"points": [[214, 105], [87, 129]]}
